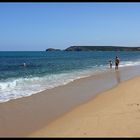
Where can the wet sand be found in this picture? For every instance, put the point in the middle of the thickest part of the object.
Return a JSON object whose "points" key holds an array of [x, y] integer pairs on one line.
{"points": [[22, 117]]}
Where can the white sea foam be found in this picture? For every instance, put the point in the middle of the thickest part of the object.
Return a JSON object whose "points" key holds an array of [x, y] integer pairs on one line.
{"points": [[21, 87], [129, 63]]}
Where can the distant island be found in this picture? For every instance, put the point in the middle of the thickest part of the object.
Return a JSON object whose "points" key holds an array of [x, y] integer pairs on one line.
{"points": [[97, 48], [52, 49]]}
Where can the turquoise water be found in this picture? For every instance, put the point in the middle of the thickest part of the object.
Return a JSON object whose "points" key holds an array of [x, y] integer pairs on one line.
{"points": [[45, 70]]}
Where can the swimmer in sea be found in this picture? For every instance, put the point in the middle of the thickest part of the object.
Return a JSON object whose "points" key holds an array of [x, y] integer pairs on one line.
{"points": [[24, 64]]}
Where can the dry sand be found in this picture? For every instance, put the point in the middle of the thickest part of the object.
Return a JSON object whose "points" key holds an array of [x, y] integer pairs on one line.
{"points": [[114, 113]]}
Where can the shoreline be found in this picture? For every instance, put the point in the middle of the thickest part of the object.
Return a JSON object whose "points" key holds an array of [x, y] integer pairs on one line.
{"points": [[23, 116]]}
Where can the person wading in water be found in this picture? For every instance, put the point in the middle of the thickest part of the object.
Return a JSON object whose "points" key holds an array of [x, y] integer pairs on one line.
{"points": [[117, 61]]}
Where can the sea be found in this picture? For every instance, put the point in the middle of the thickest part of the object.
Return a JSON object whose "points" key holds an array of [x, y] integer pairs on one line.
{"points": [[23, 73]]}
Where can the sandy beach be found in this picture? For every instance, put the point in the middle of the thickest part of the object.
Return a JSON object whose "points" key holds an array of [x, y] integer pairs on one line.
{"points": [[105, 104], [114, 113], [69, 70]]}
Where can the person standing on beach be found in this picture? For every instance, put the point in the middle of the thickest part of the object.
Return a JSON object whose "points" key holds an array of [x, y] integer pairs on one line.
{"points": [[110, 63], [117, 61]]}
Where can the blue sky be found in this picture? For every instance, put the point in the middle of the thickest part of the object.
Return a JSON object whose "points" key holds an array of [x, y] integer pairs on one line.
{"points": [[37, 26]]}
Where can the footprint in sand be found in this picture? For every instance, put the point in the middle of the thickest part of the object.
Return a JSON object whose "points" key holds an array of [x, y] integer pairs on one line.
{"points": [[133, 104], [85, 133]]}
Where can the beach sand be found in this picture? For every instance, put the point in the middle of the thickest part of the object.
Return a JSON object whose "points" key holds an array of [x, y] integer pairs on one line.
{"points": [[100, 105], [114, 113]]}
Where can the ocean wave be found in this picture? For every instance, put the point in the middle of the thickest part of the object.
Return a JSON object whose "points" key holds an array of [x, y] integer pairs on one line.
{"points": [[22, 87], [129, 63]]}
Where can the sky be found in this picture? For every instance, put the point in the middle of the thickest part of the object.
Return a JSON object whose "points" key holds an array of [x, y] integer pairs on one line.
{"points": [[37, 26]]}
